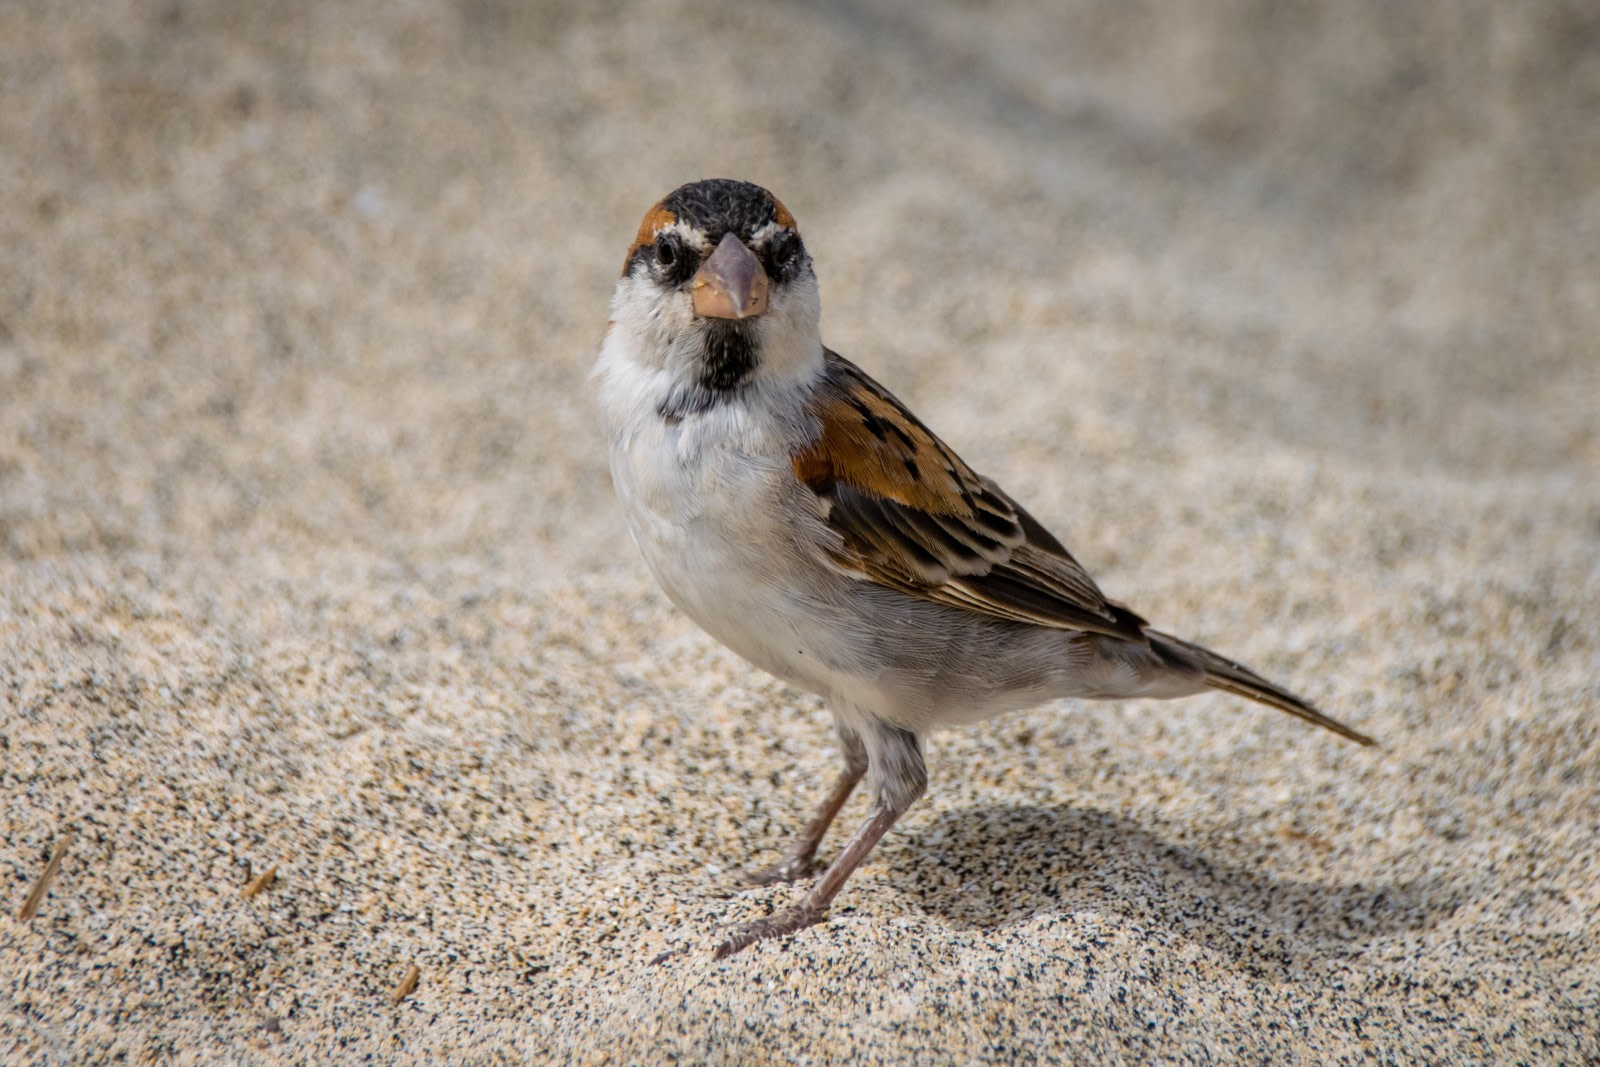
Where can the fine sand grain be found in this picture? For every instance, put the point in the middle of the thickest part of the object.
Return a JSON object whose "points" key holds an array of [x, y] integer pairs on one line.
{"points": [[339, 720]]}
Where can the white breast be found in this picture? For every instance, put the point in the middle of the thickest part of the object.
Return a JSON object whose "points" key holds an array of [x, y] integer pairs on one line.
{"points": [[732, 537]]}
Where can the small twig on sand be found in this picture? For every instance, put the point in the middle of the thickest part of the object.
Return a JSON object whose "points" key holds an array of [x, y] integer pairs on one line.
{"points": [[41, 886], [407, 986], [259, 882]]}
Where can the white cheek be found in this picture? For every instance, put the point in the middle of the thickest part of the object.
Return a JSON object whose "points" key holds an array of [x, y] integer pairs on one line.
{"points": [[651, 318], [791, 340]]}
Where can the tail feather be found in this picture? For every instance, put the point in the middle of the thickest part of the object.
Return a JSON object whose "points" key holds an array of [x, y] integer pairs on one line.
{"points": [[1236, 678]]}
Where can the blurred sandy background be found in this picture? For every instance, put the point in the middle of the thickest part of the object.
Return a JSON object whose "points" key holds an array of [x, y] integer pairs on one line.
{"points": [[1284, 316]]}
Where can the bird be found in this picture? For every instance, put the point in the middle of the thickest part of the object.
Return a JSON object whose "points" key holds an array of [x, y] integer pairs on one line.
{"points": [[802, 515]]}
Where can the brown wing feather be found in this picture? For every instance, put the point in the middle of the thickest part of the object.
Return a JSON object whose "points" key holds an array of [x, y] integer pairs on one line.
{"points": [[871, 442], [915, 518]]}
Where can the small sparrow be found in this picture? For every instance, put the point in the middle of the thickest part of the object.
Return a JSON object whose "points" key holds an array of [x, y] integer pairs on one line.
{"points": [[800, 514]]}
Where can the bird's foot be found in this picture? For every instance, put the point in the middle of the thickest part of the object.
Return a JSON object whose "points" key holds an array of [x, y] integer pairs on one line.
{"points": [[791, 868], [779, 924]]}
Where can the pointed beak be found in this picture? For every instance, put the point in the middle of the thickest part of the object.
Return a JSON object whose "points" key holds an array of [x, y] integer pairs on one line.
{"points": [[731, 283]]}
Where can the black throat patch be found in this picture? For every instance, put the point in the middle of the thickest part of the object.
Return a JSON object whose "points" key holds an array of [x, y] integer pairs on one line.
{"points": [[729, 355], [727, 359]]}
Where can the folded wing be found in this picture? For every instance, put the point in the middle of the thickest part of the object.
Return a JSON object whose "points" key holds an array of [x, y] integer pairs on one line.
{"points": [[913, 517]]}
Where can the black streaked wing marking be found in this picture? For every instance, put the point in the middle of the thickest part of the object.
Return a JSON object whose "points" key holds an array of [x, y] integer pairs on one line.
{"points": [[959, 541]]}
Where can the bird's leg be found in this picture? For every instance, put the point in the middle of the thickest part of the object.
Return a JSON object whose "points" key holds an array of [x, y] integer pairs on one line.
{"points": [[898, 777], [800, 856]]}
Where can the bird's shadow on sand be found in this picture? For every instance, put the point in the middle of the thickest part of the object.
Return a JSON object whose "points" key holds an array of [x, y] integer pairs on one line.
{"points": [[985, 868]]}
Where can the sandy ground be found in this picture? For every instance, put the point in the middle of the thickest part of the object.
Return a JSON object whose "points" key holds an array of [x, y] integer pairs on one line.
{"points": [[1284, 318]]}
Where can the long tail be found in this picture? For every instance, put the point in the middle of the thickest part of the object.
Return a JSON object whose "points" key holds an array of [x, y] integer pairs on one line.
{"points": [[1231, 677]]}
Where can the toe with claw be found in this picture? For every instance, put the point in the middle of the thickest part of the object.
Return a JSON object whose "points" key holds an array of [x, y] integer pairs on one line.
{"points": [[779, 924]]}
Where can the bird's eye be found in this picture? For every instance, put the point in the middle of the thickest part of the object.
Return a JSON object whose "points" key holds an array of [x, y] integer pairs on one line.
{"points": [[674, 260], [788, 248]]}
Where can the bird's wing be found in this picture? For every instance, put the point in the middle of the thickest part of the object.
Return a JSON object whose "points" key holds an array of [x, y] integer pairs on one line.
{"points": [[913, 517]]}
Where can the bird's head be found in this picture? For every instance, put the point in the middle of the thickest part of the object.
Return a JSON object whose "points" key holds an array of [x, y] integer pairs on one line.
{"points": [[718, 290]]}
